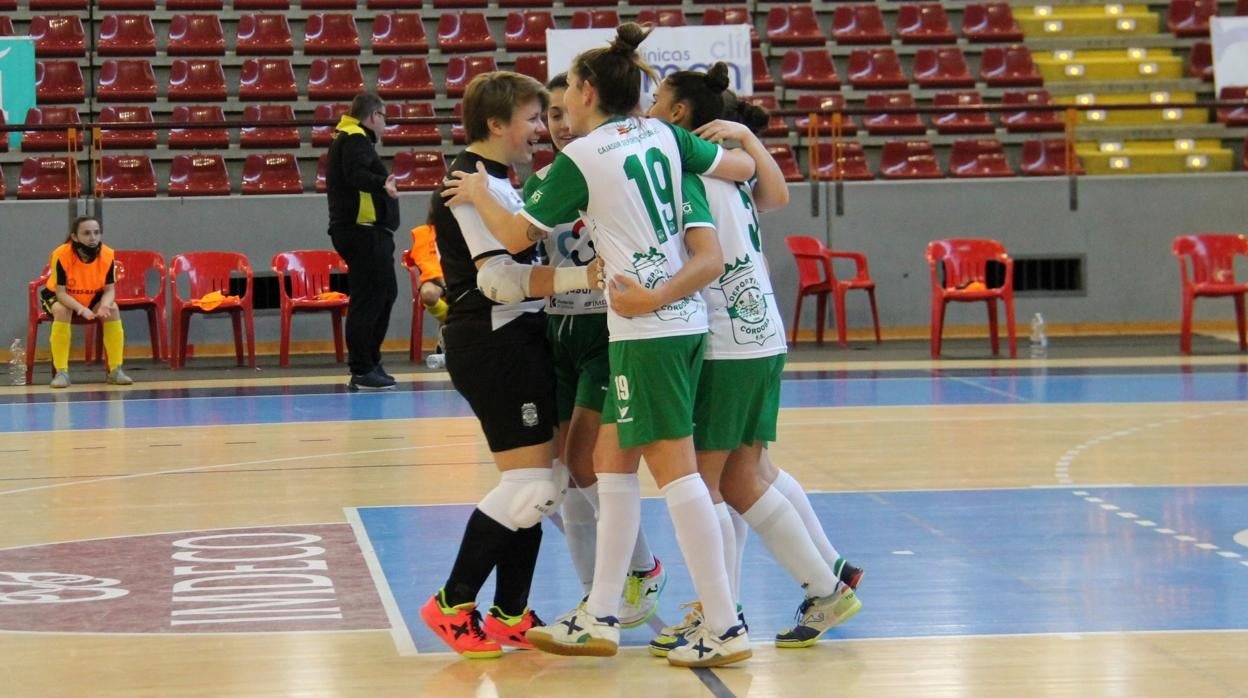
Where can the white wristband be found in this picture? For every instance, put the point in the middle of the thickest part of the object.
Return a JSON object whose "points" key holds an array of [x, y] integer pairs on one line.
{"points": [[570, 279]]}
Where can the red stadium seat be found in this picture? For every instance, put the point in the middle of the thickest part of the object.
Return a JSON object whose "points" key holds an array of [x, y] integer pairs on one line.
{"points": [[133, 139], [464, 32], [961, 121], [49, 178], [892, 124], [859, 24], [38, 5], [196, 137], [198, 175], [125, 176], [3, 186], [875, 68], [59, 82], [199, 5], [398, 33], [842, 160], [1211, 258], [1047, 158], [991, 22], [207, 272], [808, 69], [322, 135], [418, 170], [980, 157], [54, 141], [334, 78], [267, 78], [127, 35], [942, 67], [1006, 66], [909, 160], [1200, 61], [127, 4], [394, 4], [460, 70], [309, 272], [1030, 121], [595, 19], [542, 157], [823, 121], [782, 153], [410, 134], [674, 17], [328, 4], [817, 277], [320, 184], [926, 23], [133, 270], [404, 78], [6, 26], [263, 35], [763, 82], [58, 36], [526, 31], [196, 80], [1190, 17], [956, 265], [775, 125], [714, 16], [268, 136], [331, 34], [533, 65], [195, 35], [126, 80], [1236, 117], [458, 135], [271, 173], [259, 4], [794, 25], [438, 4]]}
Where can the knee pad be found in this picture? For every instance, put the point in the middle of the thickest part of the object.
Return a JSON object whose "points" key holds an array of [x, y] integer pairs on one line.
{"points": [[533, 500]]}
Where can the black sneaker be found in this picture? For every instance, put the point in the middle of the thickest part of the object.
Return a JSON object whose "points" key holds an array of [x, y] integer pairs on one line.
{"points": [[381, 370], [373, 380]]}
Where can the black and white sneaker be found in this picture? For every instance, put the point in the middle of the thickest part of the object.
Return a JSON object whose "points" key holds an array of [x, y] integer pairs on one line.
{"points": [[373, 380]]}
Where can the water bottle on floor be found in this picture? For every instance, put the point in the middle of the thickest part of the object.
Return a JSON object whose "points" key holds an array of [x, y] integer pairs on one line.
{"points": [[1039, 338], [17, 362], [437, 360]]}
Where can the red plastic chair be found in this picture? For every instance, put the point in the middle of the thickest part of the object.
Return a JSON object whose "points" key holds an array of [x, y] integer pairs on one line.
{"points": [[924, 24], [961, 121], [464, 32], [331, 34], [268, 136], [126, 80], [783, 154], [418, 170], [59, 82], [6, 24], [942, 67], [404, 78], [127, 138], [259, 4], [320, 183], [184, 138], [271, 173], [775, 125], [195, 35], [127, 4], [820, 105], [794, 25], [980, 157], [198, 5], [267, 78], [49, 178], [327, 4], [130, 288], [1200, 61], [323, 135], [398, 33], [594, 19], [715, 16], [58, 36], [35, 315], [859, 24], [1006, 66], [761, 78], [674, 17], [914, 159], [437, 4], [207, 272], [889, 123], [394, 4], [990, 23], [1190, 17], [875, 68], [1211, 257], [459, 136], [816, 276], [845, 161], [1233, 116], [526, 31], [196, 80], [1046, 158], [126, 35], [959, 274], [53, 141], [460, 70], [334, 78], [263, 35], [309, 274], [1030, 121], [198, 175], [807, 69], [416, 347], [125, 176], [533, 65]]}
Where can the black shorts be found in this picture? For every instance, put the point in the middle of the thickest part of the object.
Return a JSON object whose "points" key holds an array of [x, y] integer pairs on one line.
{"points": [[508, 380], [47, 297]]}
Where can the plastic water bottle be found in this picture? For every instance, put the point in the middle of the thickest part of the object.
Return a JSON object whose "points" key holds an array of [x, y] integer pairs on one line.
{"points": [[436, 361], [1039, 338], [17, 362]]}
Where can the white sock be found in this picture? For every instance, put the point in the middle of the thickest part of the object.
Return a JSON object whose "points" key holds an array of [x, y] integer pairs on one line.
{"points": [[580, 528], [697, 531], [774, 519], [792, 491], [619, 519], [497, 503], [643, 559], [729, 535], [740, 531]]}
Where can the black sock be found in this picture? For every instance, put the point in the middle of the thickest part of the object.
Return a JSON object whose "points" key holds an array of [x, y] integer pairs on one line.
{"points": [[515, 570], [484, 541]]}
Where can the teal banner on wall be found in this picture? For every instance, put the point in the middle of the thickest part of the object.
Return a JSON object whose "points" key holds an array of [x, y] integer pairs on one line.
{"points": [[17, 82]]}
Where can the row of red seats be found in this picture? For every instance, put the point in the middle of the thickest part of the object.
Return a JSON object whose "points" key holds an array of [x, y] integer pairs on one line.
{"points": [[1191, 17], [916, 159], [933, 67]]}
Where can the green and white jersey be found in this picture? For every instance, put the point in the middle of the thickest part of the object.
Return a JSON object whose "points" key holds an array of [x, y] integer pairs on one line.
{"points": [[740, 303], [568, 245], [624, 180]]}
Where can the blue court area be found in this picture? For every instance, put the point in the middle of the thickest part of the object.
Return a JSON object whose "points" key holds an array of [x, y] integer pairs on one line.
{"points": [[154, 408], [946, 563]]}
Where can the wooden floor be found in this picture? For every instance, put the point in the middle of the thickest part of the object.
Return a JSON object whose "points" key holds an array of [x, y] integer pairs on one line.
{"points": [[115, 482]]}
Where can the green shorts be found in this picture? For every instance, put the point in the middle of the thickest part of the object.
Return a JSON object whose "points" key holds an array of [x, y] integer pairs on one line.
{"points": [[653, 382], [578, 344], [737, 403]]}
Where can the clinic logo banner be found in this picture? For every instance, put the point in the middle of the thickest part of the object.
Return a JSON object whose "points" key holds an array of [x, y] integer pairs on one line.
{"points": [[17, 82]]}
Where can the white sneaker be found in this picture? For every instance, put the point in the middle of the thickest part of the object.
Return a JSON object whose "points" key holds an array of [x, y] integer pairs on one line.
{"points": [[703, 648], [60, 380], [671, 636], [641, 595], [579, 634], [817, 615]]}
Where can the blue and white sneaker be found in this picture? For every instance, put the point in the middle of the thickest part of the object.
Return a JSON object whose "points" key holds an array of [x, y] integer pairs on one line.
{"points": [[641, 595], [701, 647], [578, 634]]}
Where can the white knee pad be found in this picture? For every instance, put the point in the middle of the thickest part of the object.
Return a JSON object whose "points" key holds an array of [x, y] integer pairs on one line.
{"points": [[532, 501]]}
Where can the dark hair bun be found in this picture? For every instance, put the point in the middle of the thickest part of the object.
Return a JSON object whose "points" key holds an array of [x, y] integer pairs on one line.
{"points": [[628, 36], [717, 79], [753, 116]]}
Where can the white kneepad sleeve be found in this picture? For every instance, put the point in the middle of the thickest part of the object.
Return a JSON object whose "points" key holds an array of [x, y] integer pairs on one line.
{"points": [[504, 280], [534, 500]]}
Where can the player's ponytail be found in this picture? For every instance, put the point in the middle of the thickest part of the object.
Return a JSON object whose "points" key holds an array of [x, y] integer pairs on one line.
{"points": [[615, 70], [701, 92]]}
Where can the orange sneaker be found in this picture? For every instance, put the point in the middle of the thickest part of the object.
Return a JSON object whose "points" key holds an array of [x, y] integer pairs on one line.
{"points": [[509, 630], [459, 627]]}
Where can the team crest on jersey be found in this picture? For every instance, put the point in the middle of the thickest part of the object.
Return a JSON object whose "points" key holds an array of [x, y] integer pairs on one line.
{"points": [[650, 268], [624, 129], [746, 303], [528, 414], [535, 197]]}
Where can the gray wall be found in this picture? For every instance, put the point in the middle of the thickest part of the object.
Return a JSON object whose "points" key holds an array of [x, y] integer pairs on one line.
{"points": [[1123, 226]]}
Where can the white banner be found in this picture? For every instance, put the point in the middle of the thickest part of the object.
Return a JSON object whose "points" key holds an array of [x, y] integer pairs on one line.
{"points": [[1230, 51], [667, 50]]}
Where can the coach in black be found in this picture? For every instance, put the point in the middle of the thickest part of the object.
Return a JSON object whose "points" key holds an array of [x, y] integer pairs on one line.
{"points": [[363, 215]]}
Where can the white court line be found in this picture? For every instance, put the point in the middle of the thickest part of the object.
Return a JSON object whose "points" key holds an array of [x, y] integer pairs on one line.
{"points": [[399, 632]]}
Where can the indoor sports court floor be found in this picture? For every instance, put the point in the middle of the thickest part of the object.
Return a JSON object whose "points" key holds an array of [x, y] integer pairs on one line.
{"points": [[1077, 527]]}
